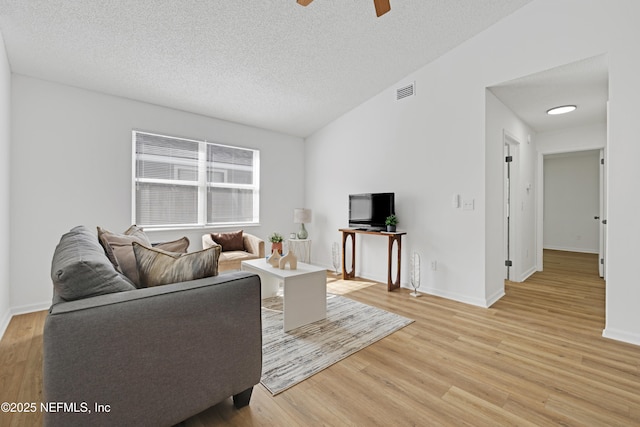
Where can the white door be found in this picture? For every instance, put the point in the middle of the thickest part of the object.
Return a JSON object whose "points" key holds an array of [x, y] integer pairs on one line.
{"points": [[511, 200], [507, 210]]}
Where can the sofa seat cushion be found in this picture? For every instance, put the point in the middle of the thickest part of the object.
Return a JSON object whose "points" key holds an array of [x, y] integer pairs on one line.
{"points": [[80, 268], [158, 267], [236, 256]]}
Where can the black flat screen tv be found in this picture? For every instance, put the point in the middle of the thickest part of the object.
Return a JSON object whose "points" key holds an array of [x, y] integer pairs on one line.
{"points": [[369, 211]]}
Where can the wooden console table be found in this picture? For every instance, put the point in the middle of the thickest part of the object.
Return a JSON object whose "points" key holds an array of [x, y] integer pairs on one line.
{"points": [[393, 237]]}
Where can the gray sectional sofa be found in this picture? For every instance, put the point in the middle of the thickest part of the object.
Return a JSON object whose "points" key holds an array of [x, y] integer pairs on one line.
{"points": [[123, 356]]}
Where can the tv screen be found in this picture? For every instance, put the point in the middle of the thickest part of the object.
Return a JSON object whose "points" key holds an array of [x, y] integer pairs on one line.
{"points": [[370, 210]]}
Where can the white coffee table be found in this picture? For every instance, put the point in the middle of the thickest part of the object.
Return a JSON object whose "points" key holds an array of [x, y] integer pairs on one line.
{"points": [[305, 290]]}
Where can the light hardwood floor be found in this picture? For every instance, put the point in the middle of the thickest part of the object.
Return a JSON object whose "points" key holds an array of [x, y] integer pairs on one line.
{"points": [[537, 357]]}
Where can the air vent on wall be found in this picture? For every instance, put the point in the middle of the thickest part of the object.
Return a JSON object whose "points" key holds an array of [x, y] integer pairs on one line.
{"points": [[403, 92]]}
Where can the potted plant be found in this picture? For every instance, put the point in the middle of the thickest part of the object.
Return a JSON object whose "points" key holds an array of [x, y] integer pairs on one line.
{"points": [[276, 242], [391, 223]]}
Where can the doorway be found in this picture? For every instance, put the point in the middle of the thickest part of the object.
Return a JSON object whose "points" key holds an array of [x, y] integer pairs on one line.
{"points": [[572, 183], [521, 108]]}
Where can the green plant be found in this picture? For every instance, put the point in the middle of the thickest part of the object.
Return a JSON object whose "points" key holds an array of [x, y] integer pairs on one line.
{"points": [[276, 237], [391, 220]]}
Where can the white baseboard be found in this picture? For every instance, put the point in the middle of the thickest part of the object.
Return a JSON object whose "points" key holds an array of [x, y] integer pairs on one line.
{"points": [[456, 297], [485, 303], [618, 335], [495, 297], [4, 322], [30, 308], [23, 309], [528, 273]]}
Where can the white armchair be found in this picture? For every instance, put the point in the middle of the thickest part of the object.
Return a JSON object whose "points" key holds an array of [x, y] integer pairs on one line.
{"points": [[231, 260]]}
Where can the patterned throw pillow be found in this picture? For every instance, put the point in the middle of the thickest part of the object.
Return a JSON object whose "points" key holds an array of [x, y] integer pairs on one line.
{"points": [[158, 267], [229, 241], [104, 237], [178, 246], [119, 250]]}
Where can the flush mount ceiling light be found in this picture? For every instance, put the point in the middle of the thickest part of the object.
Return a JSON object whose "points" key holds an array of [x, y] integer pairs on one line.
{"points": [[564, 109]]}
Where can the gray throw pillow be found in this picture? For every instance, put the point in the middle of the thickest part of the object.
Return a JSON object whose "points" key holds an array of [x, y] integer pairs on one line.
{"points": [[80, 268], [158, 267]]}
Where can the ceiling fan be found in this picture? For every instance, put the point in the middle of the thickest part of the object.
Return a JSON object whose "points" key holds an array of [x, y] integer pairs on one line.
{"points": [[382, 6]]}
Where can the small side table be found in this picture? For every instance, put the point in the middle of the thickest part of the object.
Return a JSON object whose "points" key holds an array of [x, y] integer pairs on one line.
{"points": [[301, 248], [393, 237]]}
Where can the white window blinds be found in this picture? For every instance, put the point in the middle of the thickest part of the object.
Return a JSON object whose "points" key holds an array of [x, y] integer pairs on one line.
{"points": [[181, 182]]}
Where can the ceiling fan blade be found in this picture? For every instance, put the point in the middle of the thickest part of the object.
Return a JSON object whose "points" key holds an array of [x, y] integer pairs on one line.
{"points": [[304, 2], [382, 7]]}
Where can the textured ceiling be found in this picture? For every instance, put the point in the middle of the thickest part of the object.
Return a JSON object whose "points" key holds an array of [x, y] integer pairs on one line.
{"points": [[584, 84], [267, 63]]}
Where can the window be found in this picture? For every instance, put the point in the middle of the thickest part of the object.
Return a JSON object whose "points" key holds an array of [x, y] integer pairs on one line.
{"points": [[187, 183]]}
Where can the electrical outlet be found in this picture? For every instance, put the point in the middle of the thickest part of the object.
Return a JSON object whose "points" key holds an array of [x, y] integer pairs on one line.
{"points": [[434, 265]]}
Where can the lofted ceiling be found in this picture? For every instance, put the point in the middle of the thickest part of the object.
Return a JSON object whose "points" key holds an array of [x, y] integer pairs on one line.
{"points": [[270, 63], [583, 83]]}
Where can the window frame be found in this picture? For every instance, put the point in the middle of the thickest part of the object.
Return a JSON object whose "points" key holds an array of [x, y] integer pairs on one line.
{"points": [[202, 185]]}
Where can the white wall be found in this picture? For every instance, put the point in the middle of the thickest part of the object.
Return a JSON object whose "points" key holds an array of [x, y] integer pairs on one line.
{"points": [[590, 137], [431, 146], [500, 120], [408, 147], [71, 164], [5, 195], [571, 200]]}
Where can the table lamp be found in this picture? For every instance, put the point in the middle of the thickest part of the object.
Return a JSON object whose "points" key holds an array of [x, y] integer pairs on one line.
{"points": [[302, 216]]}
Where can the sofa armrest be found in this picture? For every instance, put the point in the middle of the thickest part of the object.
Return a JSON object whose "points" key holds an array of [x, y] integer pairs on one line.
{"points": [[157, 355], [207, 241], [254, 245]]}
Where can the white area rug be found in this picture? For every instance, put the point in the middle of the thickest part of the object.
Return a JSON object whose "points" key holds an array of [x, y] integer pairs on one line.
{"points": [[289, 358]]}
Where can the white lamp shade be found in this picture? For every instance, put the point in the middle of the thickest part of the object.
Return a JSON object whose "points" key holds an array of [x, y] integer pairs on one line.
{"points": [[301, 216]]}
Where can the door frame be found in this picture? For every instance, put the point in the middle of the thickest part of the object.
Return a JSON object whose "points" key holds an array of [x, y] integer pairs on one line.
{"points": [[511, 146], [602, 216], [540, 198]]}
